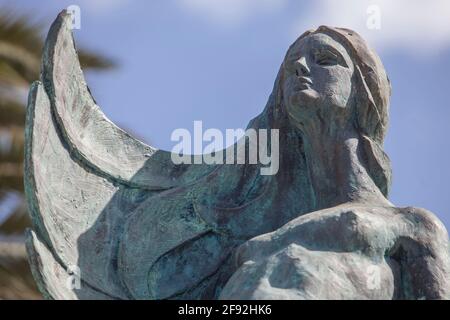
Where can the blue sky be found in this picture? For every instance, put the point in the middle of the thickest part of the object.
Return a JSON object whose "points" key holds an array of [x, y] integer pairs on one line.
{"points": [[216, 61]]}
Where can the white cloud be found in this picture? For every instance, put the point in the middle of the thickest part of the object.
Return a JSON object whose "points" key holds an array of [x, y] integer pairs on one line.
{"points": [[423, 27], [230, 13]]}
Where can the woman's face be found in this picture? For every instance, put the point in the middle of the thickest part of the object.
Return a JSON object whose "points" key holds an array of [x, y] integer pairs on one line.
{"points": [[318, 78]]}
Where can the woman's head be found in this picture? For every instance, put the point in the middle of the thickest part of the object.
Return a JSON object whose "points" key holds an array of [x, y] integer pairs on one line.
{"points": [[318, 76], [332, 71], [330, 76]]}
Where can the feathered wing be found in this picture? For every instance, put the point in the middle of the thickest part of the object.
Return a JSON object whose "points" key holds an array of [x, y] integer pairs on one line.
{"points": [[83, 173]]}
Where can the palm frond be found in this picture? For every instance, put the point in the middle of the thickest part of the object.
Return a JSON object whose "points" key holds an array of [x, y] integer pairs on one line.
{"points": [[12, 113], [21, 44], [21, 30], [90, 60], [16, 219]]}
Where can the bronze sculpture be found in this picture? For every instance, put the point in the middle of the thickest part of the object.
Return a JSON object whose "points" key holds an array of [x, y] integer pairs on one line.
{"points": [[138, 226]]}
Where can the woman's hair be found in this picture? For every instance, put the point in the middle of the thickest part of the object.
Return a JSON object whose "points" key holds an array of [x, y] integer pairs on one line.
{"points": [[372, 105]]}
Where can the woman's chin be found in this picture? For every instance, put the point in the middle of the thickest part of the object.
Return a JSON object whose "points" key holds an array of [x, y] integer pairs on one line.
{"points": [[304, 98]]}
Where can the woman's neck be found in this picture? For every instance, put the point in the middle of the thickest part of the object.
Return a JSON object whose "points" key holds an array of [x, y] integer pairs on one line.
{"points": [[337, 173]]}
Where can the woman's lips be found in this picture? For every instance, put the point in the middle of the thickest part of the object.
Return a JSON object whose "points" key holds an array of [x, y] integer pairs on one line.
{"points": [[305, 80], [304, 83]]}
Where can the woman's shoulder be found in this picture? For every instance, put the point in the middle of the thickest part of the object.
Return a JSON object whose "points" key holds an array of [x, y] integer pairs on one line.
{"points": [[424, 219]]}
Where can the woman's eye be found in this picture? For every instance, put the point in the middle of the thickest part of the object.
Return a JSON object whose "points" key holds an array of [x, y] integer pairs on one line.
{"points": [[326, 58]]}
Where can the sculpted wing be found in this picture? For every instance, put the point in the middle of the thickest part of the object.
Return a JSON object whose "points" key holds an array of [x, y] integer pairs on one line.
{"points": [[89, 134], [76, 162]]}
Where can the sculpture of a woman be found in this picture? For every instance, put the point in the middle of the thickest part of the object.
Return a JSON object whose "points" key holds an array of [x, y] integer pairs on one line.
{"points": [[127, 222], [356, 244]]}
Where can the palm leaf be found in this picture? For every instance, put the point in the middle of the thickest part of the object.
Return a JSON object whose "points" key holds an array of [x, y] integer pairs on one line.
{"points": [[21, 44]]}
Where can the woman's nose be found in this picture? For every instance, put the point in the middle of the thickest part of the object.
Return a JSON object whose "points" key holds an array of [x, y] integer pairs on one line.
{"points": [[302, 68]]}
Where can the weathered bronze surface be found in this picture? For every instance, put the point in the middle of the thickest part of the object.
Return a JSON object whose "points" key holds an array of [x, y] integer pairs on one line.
{"points": [[133, 225]]}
